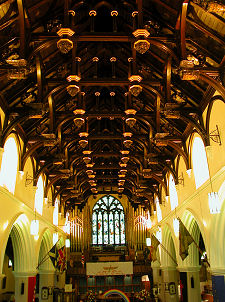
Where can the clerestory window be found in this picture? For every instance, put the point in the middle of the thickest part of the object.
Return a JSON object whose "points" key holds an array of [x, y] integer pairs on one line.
{"points": [[108, 222]]}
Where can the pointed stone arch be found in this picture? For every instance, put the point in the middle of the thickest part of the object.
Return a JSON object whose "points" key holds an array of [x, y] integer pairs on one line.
{"points": [[195, 227], [45, 246], [23, 248], [168, 259]]}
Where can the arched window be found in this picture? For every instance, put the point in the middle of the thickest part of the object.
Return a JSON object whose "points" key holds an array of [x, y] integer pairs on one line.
{"points": [[9, 165], [108, 222], [158, 210], [39, 196], [56, 213], [199, 162], [173, 193]]}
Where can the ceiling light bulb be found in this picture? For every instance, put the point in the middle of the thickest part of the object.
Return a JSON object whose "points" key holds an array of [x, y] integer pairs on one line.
{"points": [[79, 111], [87, 152], [125, 152], [130, 111], [89, 165], [122, 165], [83, 134], [122, 175], [91, 176], [127, 134]]}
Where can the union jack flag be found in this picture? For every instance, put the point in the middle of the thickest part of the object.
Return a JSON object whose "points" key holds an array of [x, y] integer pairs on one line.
{"points": [[61, 260]]}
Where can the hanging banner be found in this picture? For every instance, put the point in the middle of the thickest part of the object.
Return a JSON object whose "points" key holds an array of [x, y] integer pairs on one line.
{"points": [[31, 288], [109, 268]]}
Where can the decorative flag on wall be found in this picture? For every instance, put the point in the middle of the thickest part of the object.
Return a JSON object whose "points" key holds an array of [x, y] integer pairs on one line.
{"points": [[185, 239], [61, 259], [53, 254], [153, 249]]}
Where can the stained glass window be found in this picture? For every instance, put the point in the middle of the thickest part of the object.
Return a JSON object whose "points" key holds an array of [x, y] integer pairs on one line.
{"points": [[108, 222]]}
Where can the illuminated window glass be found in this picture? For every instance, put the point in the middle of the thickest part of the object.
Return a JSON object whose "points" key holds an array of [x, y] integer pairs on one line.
{"points": [[173, 193], [39, 196], [9, 165], [108, 222], [199, 162]]}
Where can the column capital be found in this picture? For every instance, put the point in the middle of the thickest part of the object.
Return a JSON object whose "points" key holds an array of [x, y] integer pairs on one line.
{"points": [[168, 268], [155, 264], [46, 272], [24, 274], [217, 271], [189, 269]]}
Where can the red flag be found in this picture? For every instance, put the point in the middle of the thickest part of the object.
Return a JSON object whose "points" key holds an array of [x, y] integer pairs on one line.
{"points": [[61, 260], [31, 288]]}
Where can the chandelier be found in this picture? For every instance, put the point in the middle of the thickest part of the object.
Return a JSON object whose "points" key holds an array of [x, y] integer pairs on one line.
{"points": [[130, 120], [83, 141], [79, 120], [141, 45], [64, 44], [136, 88], [127, 141]]}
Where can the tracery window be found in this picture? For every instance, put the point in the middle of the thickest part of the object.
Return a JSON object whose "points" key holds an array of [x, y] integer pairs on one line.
{"points": [[108, 222]]}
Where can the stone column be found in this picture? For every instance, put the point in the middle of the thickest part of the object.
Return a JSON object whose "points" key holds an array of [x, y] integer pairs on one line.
{"points": [[158, 278], [218, 284], [170, 283], [21, 285], [46, 285], [193, 283]]}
